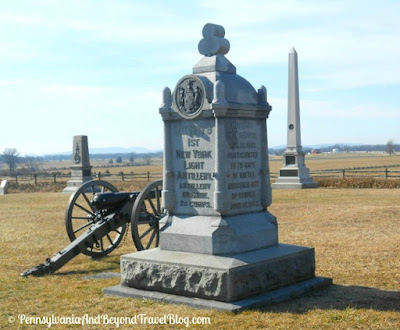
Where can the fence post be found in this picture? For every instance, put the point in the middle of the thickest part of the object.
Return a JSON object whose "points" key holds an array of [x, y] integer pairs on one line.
{"points": [[122, 176], [99, 175], [386, 173], [148, 176], [343, 173], [16, 178], [35, 177], [54, 178]]}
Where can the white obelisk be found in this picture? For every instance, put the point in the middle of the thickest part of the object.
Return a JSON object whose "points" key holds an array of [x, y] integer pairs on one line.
{"points": [[294, 174]]}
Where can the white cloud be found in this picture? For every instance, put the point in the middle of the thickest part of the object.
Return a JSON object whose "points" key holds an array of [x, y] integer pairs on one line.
{"points": [[329, 109], [250, 12], [70, 89], [8, 82], [364, 111]]}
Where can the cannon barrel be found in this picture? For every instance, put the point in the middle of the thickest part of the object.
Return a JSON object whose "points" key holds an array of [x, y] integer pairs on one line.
{"points": [[111, 200]]}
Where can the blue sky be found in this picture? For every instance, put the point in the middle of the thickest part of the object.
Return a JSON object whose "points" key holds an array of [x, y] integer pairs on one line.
{"points": [[97, 68]]}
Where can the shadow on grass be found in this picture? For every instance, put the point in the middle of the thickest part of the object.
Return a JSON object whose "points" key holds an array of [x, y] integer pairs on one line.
{"points": [[112, 265], [340, 297], [85, 272]]}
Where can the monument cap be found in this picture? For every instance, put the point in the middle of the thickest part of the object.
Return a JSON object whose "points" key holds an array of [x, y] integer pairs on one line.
{"points": [[214, 88], [213, 42]]}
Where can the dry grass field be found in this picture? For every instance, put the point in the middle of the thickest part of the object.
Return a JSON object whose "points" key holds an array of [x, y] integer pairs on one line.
{"points": [[340, 160], [356, 235]]}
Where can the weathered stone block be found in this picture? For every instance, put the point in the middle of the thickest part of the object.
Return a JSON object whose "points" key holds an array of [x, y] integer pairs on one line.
{"points": [[224, 278]]}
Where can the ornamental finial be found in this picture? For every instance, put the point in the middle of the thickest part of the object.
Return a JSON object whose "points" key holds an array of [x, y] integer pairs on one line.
{"points": [[213, 42]]}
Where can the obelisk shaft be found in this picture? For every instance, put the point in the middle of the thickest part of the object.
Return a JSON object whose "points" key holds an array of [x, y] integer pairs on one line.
{"points": [[293, 129]]}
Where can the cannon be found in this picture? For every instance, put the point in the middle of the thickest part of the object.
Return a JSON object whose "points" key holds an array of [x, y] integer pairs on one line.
{"points": [[97, 219]]}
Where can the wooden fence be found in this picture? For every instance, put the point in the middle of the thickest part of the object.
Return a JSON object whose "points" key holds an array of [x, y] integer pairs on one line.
{"points": [[59, 178], [378, 172], [360, 172], [349, 173]]}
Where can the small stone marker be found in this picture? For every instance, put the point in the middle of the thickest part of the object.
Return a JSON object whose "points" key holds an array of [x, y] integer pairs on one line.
{"points": [[81, 169], [294, 174], [4, 187], [220, 245]]}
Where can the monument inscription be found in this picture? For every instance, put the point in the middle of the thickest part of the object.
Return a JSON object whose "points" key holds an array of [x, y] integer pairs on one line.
{"points": [[243, 165], [193, 164]]}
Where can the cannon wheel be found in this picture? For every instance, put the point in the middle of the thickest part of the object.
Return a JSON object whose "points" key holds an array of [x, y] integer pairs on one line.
{"points": [[80, 215], [146, 215]]}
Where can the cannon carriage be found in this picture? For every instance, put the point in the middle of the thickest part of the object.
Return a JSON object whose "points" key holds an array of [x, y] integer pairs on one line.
{"points": [[97, 219]]}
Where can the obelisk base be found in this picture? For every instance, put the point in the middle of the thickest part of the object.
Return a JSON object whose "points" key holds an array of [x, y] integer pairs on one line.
{"points": [[294, 174], [294, 183], [226, 278], [79, 175]]}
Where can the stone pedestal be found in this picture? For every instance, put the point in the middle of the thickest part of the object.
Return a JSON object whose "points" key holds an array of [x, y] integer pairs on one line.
{"points": [[219, 243], [294, 174], [81, 169], [229, 283], [223, 278]]}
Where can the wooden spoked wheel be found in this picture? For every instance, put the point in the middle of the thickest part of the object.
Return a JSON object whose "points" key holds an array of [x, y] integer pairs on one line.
{"points": [[146, 215], [80, 215]]}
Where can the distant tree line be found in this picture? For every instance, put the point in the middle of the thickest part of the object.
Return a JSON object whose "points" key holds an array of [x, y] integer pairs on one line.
{"points": [[106, 156], [390, 147], [11, 157]]}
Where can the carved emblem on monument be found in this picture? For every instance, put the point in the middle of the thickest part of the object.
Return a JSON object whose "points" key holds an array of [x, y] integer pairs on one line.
{"points": [[77, 156], [189, 97]]}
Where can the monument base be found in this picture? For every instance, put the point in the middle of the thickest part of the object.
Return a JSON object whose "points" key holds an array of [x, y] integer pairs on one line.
{"points": [[294, 175], [222, 278], [75, 183], [219, 235], [294, 183], [259, 300]]}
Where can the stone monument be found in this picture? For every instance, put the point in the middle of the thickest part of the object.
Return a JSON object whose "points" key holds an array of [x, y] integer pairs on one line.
{"points": [[219, 248], [294, 174], [81, 169], [4, 187]]}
